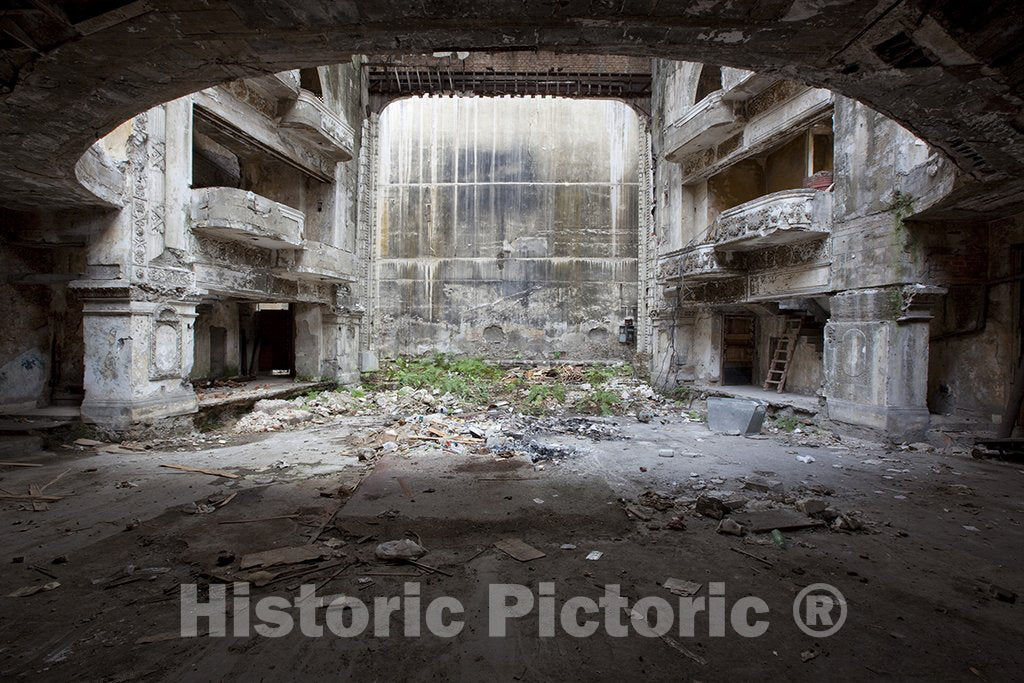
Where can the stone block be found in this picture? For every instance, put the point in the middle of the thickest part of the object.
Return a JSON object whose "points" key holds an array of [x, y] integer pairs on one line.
{"points": [[735, 415], [368, 362]]}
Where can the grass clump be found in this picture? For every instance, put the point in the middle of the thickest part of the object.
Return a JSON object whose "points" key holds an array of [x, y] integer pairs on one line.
{"points": [[600, 402], [469, 378], [787, 424], [598, 375]]}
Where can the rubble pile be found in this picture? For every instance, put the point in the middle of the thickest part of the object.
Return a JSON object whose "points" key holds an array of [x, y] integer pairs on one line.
{"points": [[756, 505], [555, 396]]}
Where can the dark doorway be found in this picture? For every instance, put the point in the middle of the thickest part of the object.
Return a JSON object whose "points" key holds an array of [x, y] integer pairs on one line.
{"points": [[738, 349], [274, 344]]}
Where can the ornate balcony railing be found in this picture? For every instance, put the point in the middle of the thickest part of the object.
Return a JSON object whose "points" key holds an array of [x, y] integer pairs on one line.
{"points": [[310, 119], [775, 219], [233, 214]]}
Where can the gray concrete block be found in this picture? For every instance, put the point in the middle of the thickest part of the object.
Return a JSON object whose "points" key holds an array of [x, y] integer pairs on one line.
{"points": [[735, 415]]}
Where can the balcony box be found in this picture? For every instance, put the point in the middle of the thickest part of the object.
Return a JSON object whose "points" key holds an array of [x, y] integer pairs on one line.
{"points": [[775, 219], [310, 119], [279, 86], [316, 262], [704, 125], [740, 84], [232, 214], [703, 264]]}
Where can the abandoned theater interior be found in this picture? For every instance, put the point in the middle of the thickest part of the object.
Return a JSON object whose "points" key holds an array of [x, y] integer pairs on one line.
{"points": [[524, 340]]}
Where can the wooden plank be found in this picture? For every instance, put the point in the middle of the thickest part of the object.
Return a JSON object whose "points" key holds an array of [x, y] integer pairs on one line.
{"points": [[277, 556], [516, 549], [202, 470]]}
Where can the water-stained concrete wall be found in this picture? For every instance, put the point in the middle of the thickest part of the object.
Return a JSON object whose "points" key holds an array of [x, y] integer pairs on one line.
{"points": [[506, 227]]}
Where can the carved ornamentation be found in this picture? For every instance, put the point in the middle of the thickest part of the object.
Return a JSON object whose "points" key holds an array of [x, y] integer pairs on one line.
{"points": [[165, 352], [775, 219], [139, 156]]}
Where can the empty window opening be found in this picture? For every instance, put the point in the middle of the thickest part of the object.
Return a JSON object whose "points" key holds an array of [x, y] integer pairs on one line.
{"points": [[710, 81]]}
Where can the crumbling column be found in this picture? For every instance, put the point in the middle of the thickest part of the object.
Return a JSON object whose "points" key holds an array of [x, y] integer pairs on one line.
{"points": [[308, 341], [349, 364], [876, 359], [341, 345], [138, 355]]}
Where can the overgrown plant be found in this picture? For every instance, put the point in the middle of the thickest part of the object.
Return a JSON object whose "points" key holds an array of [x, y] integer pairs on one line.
{"points": [[462, 377], [598, 375], [600, 402], [787, 424]]}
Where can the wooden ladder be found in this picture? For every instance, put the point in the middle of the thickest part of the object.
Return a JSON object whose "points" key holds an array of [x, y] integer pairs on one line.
{"points": [[779, 369]]}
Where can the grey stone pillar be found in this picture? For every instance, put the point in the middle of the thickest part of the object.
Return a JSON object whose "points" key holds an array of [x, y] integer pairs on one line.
{"points": [[309, 350], [876, 359], [138, 356]]}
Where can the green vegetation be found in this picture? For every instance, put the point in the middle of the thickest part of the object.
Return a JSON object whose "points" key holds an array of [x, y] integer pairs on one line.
{"points": [[539, 393], [681, 393], [469, 378], [600, 402], [901, 207], [787, 424], [598, 375]]}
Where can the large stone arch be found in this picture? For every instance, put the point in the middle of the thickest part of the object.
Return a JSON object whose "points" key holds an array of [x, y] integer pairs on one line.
{"points": [[71, 72]]}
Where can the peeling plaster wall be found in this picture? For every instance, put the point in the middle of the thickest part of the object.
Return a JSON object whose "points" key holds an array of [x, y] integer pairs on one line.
{"points": [[41, 343], [25, 336], [976, 331], [223, 315], [507, 227]]}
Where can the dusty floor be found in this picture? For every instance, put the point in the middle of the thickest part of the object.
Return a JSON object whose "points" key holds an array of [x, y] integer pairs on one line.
{"points": [[940, 530]]}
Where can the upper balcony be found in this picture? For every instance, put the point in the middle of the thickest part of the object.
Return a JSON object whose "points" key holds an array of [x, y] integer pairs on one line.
{"points": [[704, 125], [311, 120], [703, 263], [233, 214], [700, 263], [280, 86], [316, 262], [740, 84], [775, 219]]}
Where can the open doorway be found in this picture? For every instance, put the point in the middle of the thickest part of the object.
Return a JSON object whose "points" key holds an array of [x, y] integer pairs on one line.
{"points": [[739, 349], [273, 348]]}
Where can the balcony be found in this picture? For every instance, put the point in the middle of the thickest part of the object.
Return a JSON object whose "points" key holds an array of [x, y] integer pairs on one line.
{"points": [[740, 84], [232, 214], [695, 264], [316, 262], [703, 264], [310, 119], [706, 124], [775, 219], [279, 86]]}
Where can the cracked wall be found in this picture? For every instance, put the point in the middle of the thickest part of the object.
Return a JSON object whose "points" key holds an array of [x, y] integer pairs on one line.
{"points": [[507, 227]]}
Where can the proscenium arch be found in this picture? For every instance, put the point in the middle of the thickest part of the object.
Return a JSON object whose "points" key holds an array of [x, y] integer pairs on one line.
{"points": [[949, 72]]}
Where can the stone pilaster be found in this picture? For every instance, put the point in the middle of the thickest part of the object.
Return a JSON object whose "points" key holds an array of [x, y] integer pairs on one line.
{"points": [[876, 359], [138, 355]]}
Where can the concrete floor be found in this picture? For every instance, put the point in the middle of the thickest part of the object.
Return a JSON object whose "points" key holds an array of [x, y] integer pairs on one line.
{"points": [[916, 586]]}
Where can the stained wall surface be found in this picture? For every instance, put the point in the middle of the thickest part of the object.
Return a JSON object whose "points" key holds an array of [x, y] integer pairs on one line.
{"points": [[506, 227]]}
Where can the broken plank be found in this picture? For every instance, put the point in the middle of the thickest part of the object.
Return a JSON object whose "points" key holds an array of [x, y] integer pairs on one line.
{"points": [[256, 519], [452, 439], [29, 497], [752, 556], [783, 520], [427, 567], [53, 481], [276, 556], [19, 464], [516, 549], [202, 470]]}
